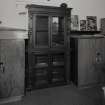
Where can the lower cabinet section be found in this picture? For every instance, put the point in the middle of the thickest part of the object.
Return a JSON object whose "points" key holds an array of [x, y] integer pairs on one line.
{"points": [[46, 70]]}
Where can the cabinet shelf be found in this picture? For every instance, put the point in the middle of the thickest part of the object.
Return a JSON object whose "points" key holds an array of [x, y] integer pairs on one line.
{"points": [[58, 63], [41, 65], [41, 73]]}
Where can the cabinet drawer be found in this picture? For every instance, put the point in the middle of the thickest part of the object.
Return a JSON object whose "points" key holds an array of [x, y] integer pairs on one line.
{"points": [[58, 60], [58, 70], [41, 72], [41, 61], [42, 77], [41, 58], [57, 80]]}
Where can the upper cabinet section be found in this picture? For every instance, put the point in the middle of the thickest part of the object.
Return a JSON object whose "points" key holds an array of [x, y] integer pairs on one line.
{"points": [[47, 26]]}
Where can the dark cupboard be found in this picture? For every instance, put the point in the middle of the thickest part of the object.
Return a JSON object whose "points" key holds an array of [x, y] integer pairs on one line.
{"points": [[47, 46]]}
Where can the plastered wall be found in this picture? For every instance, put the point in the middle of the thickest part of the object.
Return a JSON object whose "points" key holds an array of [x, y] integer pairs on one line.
{"points": [[10, 9]]}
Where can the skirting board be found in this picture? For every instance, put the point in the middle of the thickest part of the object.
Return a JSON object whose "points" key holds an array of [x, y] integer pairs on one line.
{"points": [[11, 99]]}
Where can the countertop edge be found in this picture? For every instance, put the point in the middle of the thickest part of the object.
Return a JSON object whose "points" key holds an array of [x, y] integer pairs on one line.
{"points": [[7, 34]]}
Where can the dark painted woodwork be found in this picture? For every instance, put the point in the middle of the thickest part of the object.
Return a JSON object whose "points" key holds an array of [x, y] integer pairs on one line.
{"points": [[88, 61], [47, 46]]}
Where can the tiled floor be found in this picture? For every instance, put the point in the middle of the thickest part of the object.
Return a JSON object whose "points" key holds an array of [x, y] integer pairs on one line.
{"points": [[63, 95]]}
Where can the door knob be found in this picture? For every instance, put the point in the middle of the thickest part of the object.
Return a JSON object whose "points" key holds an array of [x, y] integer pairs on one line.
{"points": [[0, 22], [98, 57], [2, 69]]}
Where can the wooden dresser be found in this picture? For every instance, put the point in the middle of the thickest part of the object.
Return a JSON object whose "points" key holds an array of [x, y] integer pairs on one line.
{"points": [[48, 50]]}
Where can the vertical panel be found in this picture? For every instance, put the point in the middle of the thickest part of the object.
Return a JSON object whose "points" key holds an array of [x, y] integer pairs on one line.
{"points": [[86, 62], [12, 78], [58, 31], [41, 31]]}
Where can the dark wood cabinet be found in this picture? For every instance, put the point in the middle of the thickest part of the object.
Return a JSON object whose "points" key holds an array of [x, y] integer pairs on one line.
{"points": [[47, 46], [88, 60]]}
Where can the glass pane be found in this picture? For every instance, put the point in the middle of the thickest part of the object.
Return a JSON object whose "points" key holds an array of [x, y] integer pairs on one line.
{"points": [[57, 31], [58, 60], [41, 31], [41, 39], [42, 23]]}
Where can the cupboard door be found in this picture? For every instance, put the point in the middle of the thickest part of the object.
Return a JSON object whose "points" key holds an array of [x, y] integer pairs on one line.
{"points": [[12, 68], [58, 68], [86, 62], [40, 71], [58, 31], [40, 77], [100, 60]]}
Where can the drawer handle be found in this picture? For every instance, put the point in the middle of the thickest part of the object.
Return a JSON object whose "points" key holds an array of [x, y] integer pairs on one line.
{"points": [[2, 69], [0, 22], [98, 57]]}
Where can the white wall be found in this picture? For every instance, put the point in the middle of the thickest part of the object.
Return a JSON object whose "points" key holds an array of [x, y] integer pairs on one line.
{"points": [[9, 10]]}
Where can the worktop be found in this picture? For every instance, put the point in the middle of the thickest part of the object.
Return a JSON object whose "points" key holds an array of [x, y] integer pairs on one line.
{"points": [[13, 33], [12, 64]]}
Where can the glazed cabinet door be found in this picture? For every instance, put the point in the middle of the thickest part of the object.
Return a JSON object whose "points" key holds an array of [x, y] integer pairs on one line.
{"points": [[40, 31], [57, 31], [12, 68]]}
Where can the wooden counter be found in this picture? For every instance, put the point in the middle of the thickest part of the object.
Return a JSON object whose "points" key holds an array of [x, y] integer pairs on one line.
{"points": [[12, 64]]}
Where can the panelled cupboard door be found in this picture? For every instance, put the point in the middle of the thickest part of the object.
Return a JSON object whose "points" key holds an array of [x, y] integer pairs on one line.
{"points": [[86, 62], [100, 60], [11, 68], [48, 42], [91, 61]]}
